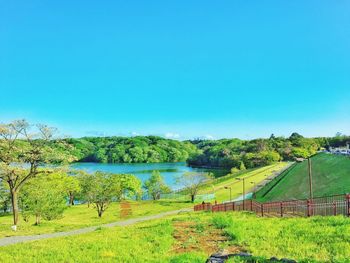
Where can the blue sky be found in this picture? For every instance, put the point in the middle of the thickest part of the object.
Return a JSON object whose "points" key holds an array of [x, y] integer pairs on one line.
{"points": [[180, 69]]}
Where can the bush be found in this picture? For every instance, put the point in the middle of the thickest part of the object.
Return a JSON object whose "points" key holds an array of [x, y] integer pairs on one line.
{"points": [[222, 221]]}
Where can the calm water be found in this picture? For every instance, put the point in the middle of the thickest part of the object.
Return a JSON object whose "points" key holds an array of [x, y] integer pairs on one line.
{"points": [[143, 170]]}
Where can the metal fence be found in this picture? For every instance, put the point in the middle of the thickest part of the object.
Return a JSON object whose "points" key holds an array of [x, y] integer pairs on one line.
{"points": [[321, 206]]}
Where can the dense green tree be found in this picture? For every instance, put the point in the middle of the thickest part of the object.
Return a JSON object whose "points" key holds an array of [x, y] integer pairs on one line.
{"points": [[71, 186], [44, 197], [100, 188], [155, 185]]}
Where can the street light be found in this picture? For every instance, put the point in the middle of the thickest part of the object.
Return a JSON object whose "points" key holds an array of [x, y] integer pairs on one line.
{"points": [[242, 179], [310, 178], [228, 187]]}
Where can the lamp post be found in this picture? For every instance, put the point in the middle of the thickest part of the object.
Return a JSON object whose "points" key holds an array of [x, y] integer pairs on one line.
{"points": [[228, 187], [242, 179], [310, 178]]}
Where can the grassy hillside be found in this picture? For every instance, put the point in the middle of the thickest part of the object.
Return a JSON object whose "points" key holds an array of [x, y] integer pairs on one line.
{"points": [[331, 175], [80, 216], [253, 177], [193, 237]]}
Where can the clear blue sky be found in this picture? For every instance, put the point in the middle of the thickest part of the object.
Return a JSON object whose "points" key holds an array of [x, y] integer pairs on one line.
{"points": [[178, 68]]}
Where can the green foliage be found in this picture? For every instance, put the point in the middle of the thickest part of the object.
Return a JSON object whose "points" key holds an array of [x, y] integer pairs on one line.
{"points": [[43, 197], [5, 197], [236, 153], [140, 149], [222, 220], [72, 186], [155, 185], [102, 188]]}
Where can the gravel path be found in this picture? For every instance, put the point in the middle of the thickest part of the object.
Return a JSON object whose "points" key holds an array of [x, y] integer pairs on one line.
{"points": [[19, 239]]}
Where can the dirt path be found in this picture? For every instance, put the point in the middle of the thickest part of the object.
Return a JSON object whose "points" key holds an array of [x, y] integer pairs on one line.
{"points": [[19, 239]]}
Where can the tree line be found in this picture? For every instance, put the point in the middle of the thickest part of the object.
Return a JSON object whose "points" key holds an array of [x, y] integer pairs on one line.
{"points": [[225, 153], [241, 154], [139, 149]]}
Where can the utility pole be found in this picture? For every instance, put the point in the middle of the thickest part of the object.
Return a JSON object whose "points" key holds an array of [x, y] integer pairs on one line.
{"points": [[310, 178], [243, 192], [242, 179], [228, 187]]}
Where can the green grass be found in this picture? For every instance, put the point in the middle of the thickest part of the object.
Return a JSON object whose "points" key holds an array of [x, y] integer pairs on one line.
{"points": [[256, 176], [317, 239], [331, 175], [145, 242], [80, 216], [320, 239]]}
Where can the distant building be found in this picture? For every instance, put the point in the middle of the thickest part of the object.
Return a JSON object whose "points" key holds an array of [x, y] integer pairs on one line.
{"points": [[340, 150]]}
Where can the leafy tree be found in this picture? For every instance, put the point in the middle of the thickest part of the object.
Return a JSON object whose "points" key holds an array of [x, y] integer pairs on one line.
{"points": [[126, 185], [71, 186], [101, 188], [155, 185], [23, 149], [43, 197], [192, 181]]}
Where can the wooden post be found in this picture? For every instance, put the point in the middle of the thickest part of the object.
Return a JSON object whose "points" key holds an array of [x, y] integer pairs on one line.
{"points": [[309, 204], [262, 210], [334, 208], [251, 204], [233, 206], [281, 209], [310, 178], [348, 204]]}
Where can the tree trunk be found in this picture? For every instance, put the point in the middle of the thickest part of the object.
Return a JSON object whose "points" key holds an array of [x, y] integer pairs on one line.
{"points": [[192, 198], [71, 199], [14, 206], [37, 220], [100, 212]]}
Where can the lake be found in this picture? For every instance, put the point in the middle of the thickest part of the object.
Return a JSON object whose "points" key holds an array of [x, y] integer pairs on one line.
{"points": [[143, 170]]}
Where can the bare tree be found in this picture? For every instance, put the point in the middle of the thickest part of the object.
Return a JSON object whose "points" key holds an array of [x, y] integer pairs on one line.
{"points": [[192, 182], [23, 151]]}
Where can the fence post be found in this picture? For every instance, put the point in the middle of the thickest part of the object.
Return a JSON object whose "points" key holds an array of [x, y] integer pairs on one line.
{"points": [[251, 204], [348, 204], [262, 210], [281, 209], [334, 208], [233, 206], [309, 212]]}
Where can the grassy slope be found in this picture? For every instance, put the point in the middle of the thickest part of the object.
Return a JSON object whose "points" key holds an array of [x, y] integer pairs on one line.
{"points": [[80, 216], [331, 175], [318, 239], [256, 176]]}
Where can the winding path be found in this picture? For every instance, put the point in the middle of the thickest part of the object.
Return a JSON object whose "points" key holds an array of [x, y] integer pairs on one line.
{"points": [[19, 239]]}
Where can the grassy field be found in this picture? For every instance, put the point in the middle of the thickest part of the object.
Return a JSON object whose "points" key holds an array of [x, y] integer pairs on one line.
{"points": [[193, 237], [253, 177], [80, 216], [331, 175]]}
